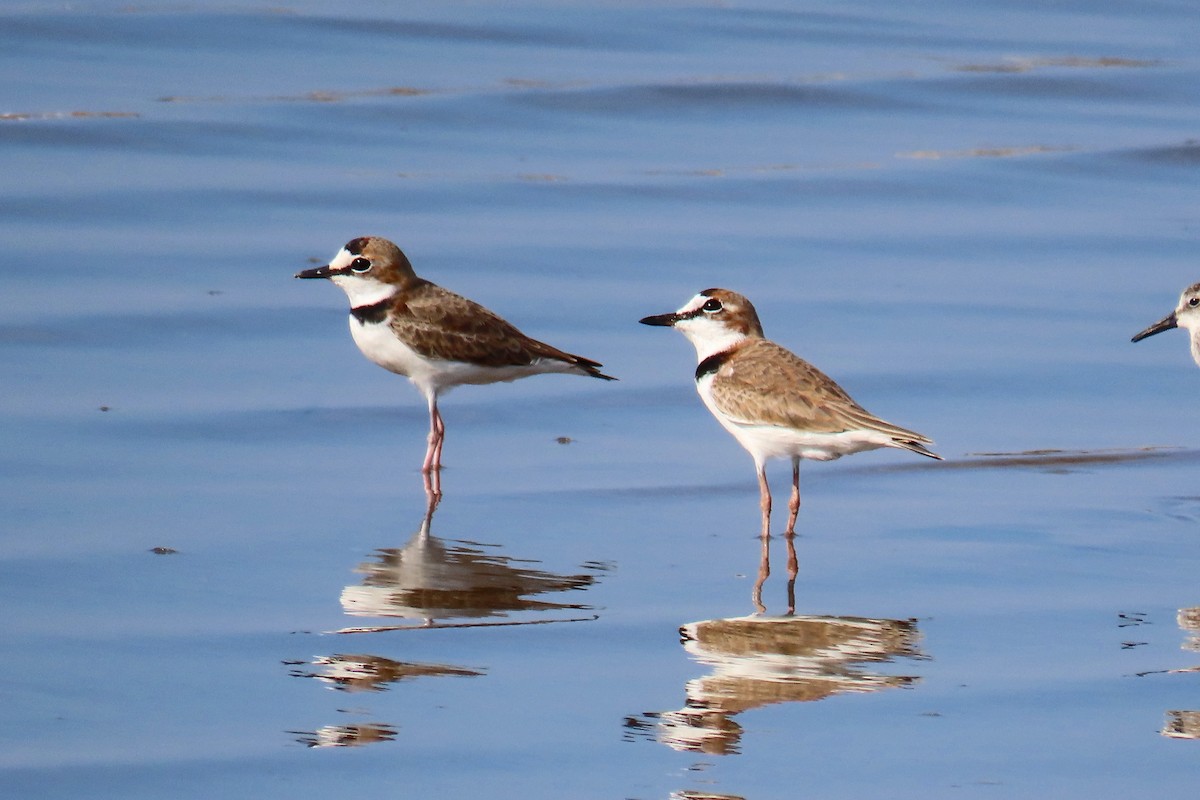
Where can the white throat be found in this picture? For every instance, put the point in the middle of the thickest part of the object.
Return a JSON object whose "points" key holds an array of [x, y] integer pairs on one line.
{"points": [[363, 291], [709, 337]]}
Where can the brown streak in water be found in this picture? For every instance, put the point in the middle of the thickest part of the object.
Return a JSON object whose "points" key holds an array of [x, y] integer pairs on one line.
{"points": [[1045, 458], [1074, 62], [22, 116], [987, 152], [384, 628], [315, 96]]}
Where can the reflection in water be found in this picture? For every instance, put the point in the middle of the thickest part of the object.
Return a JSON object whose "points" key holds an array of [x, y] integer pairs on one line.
{"points": [[764, 572], [1050, 460], [431, 580], [1185, 724], [1182, 725], [357, 673], [1189, 622], [436, 580], [760, 660], [346, 735]]}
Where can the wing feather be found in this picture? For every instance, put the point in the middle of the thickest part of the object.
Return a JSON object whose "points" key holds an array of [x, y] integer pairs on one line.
{"points": [[801, 396], [438, 323]]}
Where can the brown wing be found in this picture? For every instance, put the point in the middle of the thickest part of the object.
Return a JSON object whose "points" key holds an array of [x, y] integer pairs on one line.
{"points": [[438, 323], [799, 394]]}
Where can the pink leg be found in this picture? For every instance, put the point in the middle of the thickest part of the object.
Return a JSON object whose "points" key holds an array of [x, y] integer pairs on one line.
{"points": [[794, 502], [764, 501], [441, 438], [437, 433]]}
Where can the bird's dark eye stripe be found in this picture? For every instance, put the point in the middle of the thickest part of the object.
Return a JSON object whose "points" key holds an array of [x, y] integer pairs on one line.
{"points": [[712, 306]]}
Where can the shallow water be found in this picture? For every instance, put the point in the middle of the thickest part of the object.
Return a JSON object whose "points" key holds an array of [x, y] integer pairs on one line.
{"points": [[961, 211]]}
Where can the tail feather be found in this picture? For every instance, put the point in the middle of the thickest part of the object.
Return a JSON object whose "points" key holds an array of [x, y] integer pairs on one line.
{"points": [[594, 371], [917, 447], [591, 368], [540, 350], [901, 437]]}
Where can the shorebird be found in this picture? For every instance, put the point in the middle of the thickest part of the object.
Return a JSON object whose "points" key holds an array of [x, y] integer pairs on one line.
{"points": [[434, 337], [775, 404], [1186, 315]]}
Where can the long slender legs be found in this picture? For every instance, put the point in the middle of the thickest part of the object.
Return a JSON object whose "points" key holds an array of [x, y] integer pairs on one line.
{"points": [[794, 502], [437, 434], [441, 436], [764, 499], [789, 535], [433, 488]]}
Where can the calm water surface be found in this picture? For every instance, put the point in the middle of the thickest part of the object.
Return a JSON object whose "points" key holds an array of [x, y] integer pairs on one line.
{"points": [[961, 211]]}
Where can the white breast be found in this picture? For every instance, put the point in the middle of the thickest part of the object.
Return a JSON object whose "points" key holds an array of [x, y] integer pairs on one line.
{"points": [[378, 343]]}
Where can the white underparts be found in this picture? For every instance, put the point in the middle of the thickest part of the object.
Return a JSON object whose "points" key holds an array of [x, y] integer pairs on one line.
{"points": [[379, 343]]}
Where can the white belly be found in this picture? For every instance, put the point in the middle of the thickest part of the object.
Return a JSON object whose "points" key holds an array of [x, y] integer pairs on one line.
{"points": [[380, 345]]}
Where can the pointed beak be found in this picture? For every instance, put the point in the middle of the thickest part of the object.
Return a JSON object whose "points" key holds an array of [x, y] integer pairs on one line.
{"points": [[316, 272], [663, 320], [1164, 324]]}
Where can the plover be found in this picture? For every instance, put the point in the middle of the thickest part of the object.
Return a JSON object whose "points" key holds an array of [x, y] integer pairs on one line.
{"points": [[434, 337], [1186, 315], [775, 404]]}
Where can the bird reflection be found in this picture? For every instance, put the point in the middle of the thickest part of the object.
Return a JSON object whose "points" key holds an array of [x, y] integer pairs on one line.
{"points": [[368, 673], [1182, 725], [1185, 724], [453, 583], [1189, 622], [346, 735], [761, 660]]}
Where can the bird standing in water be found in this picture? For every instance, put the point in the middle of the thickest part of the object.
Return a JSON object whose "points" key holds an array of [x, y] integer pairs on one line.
{"points": [[775, 404], [434, 337]]}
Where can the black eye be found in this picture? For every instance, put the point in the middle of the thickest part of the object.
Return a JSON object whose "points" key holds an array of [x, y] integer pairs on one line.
{"points": [[712, 306], [1194, 301], [360, 265]]}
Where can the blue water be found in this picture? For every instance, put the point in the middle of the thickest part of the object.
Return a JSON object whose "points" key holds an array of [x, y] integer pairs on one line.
{"points": [[961, 211]]}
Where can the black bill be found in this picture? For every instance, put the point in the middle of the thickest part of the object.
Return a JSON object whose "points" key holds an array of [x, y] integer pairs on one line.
{"points": [[1164, 324], [316, 272], [664, 320]]}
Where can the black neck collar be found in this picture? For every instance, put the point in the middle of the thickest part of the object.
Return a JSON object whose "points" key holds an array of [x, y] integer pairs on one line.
{"points": [[713, 363], [376, 312]]}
